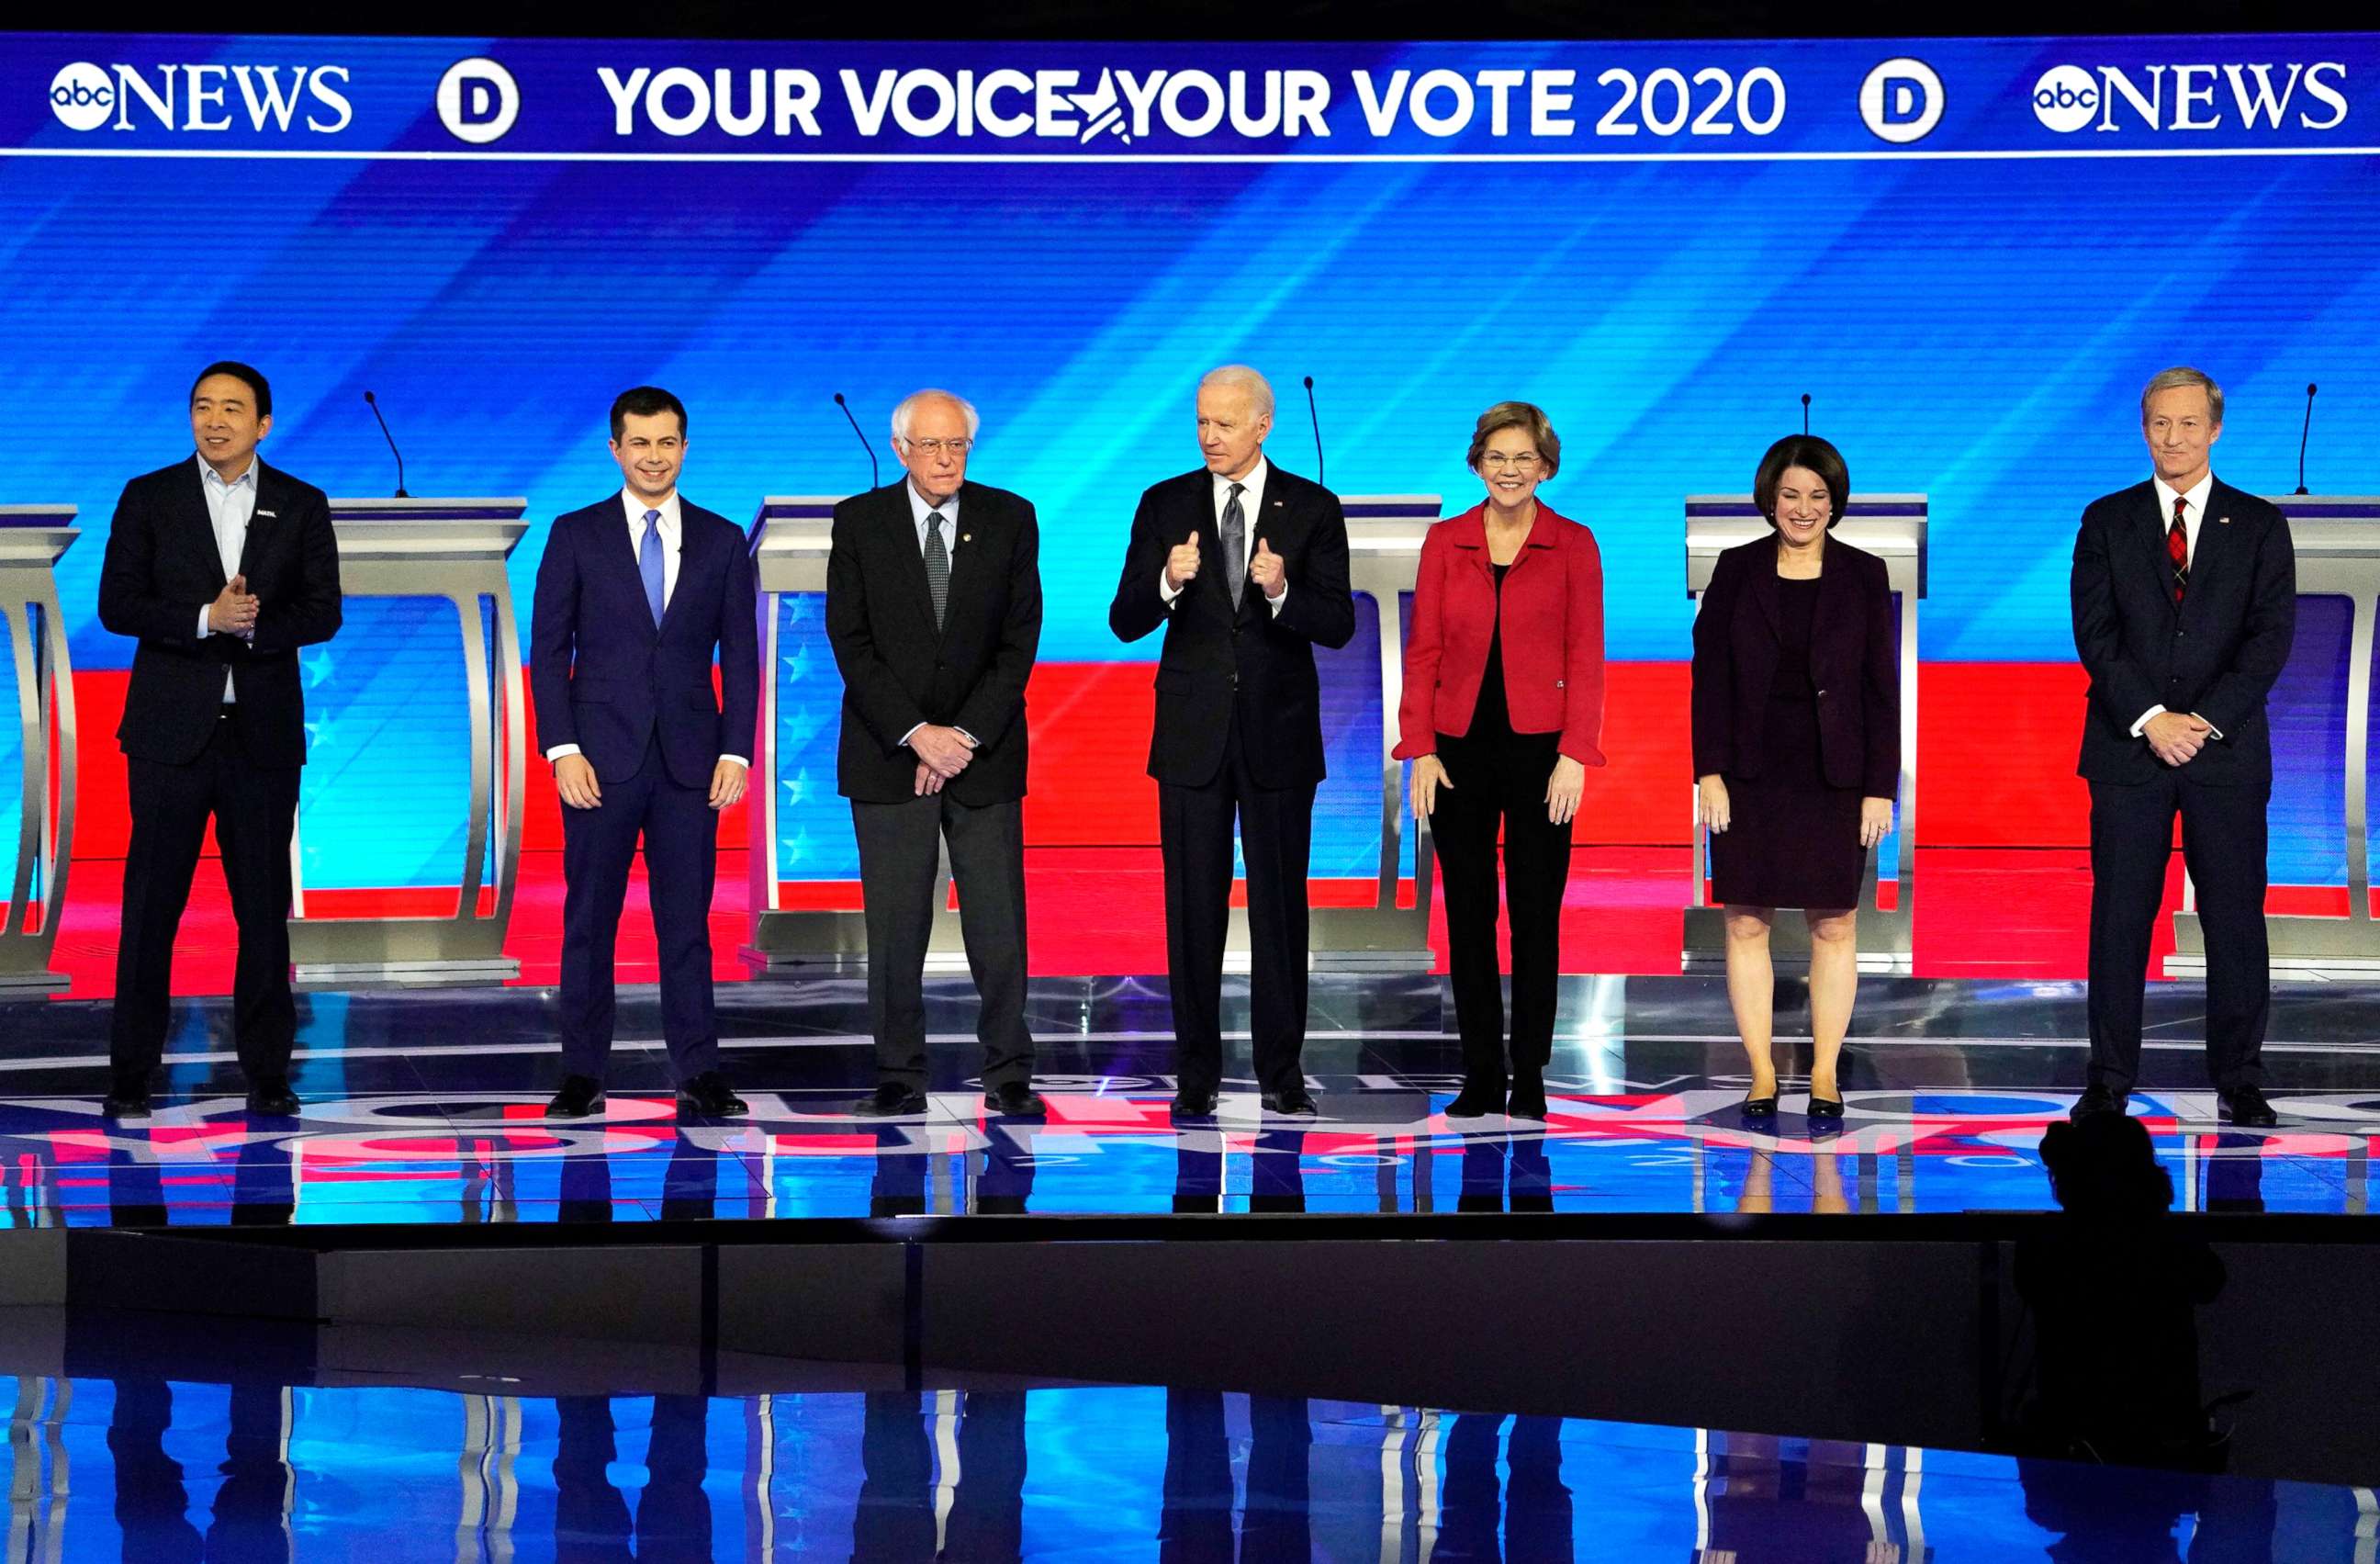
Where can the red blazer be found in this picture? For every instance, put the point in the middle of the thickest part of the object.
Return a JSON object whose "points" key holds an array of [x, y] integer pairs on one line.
{"points": [[1553, 635]]}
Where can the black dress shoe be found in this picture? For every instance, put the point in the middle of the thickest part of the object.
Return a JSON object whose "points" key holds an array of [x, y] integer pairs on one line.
{"points": [[579, 1096], [2246, 1107], [1477, 1098], [1528, 1097], [273, 1099], [1760, 1108], [1193, 1102], [2098, 1099], [1824, 1107], [1292, 1101], [708, 1095], [127, 1097], [892, 1100], [1014, 1099]]}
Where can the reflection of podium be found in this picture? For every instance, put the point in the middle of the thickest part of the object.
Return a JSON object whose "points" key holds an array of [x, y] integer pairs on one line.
{"points": [[2320, 715], [1892, 527], [408, 825], [36, 816]]}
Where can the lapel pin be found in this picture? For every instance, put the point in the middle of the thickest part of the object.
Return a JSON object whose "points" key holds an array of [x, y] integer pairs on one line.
{"points": [[276, 515], [969, 537], [2223, 520]]}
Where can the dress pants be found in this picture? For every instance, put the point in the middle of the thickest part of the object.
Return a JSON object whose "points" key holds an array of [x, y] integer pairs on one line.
{"points": [[900, 852], [1276, 835], [2223, 843], [254, 808], [1501, 787], [599, 846]]}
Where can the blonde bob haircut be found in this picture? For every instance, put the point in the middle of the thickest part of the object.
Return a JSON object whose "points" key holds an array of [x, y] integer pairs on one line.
{"points": [[1526, 417]]}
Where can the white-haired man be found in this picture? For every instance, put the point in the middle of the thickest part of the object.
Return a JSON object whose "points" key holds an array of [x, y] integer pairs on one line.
{"points": [[1245, 565], [933, 606], [2185, 603]]}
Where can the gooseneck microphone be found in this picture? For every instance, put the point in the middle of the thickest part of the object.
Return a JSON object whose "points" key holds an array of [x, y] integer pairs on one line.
{"points": [[2303, 435], [374, 403], [1805, 412], [873, 481], [1316, 419]]}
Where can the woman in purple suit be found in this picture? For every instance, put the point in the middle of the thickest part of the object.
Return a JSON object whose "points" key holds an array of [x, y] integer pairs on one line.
{"points": [[1797, 749]]}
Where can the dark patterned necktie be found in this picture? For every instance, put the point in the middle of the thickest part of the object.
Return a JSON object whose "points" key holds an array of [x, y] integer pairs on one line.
{"points": [[2177, 547], [1235, 553], [938, 565]]}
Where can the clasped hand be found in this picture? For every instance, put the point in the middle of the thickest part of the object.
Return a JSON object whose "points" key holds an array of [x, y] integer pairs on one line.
{"points": [[942, 753], [2176, 737], [234, 610]]}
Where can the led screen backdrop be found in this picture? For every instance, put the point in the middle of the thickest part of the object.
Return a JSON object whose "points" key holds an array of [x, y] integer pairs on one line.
{"points": [[1969, 254]]}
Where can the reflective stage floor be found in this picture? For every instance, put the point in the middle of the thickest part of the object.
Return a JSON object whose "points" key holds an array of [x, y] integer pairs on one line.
{"points": [[160, 1461], [428, 1108]]}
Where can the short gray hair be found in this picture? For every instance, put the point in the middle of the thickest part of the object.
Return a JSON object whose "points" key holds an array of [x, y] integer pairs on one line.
{"points": [[906, 406], [2183, 375], [1242, 377]]}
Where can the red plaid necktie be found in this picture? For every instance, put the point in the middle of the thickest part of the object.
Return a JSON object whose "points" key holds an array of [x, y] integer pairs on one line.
{"points": [[2177, 547]]}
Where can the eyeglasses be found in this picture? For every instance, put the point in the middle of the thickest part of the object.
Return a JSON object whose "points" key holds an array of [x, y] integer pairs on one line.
{"points": [[936, 447], [1526, 462]]}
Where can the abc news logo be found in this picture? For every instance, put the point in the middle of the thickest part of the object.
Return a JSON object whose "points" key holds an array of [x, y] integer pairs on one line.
{"points": [[202, 97], [2193, 97]]}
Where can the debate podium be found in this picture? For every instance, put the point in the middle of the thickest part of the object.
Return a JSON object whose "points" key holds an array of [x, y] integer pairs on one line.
{"points": [[407, 843], [805, 866], [2320, 716], [40, 817], [1892, 527]]}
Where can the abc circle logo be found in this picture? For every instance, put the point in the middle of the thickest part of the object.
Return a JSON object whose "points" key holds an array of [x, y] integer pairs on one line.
{"points": [[1902, 101], [2065, 98], [82, 96], [478, 100]]}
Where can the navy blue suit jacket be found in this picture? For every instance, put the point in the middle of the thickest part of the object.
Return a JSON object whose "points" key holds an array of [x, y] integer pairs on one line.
{"points": [[605, 679]]}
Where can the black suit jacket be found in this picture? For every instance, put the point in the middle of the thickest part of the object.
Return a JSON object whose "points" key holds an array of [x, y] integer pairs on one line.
{"points": [[606, 679], [898, 670], [2217, 654], [1854, 665], [162, 569], [1252, 665]]}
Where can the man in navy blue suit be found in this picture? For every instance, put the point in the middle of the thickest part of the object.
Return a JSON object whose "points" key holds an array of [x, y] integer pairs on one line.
{"points": [[634, 596]]}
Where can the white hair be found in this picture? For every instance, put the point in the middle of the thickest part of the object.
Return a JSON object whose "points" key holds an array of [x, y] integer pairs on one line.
{"points": [[908, 405], [1241, 377]]}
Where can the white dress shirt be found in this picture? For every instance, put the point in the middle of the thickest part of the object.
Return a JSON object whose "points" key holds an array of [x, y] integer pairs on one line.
{"points": [[672, 534], [230, 507], [2194, 519], [949, 512], [1251, 511]]}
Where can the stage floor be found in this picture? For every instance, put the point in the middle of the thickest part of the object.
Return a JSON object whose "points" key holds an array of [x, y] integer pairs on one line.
{"points": [[267, 1462], [426, 1109]]}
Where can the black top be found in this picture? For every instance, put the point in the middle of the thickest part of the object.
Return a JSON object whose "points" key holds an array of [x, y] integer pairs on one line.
{"points": [[1491, 716]]}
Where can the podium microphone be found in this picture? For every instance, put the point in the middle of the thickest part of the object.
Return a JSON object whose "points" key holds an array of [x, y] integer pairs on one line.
{"points": [[1316, 419], [2303, 435], [374, 403], [873, 481], [1805, 412]]}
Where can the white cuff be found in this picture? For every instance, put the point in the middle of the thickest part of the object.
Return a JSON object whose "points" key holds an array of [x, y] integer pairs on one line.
{"points": [[2210, 728], [739, 760], [906, 736], [1274, 602], [1166, 591], [2142, 725], [205, 630], [559, 751]]}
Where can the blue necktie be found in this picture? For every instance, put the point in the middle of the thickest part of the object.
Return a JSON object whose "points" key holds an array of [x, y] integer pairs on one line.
{"points": [[649, 563]]}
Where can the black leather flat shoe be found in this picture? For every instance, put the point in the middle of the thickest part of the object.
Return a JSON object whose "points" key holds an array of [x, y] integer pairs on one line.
{"points": [[1826, 1107], [1760, 1108]]}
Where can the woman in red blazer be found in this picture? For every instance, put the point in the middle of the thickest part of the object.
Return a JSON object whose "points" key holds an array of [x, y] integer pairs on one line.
{"points": [[1502, 716], [1797, 749]]}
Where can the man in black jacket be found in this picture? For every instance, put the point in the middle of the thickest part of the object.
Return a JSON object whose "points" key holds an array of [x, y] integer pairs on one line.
{"points": [[2185, 601], [933, 607], [1245, 565], [223, 566]]}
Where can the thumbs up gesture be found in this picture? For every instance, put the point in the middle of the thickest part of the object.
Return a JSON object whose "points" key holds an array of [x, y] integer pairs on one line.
{"points": [[1182, 565], [1268, 570]]}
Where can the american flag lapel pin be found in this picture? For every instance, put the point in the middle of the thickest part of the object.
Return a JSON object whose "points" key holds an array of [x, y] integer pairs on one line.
{"points": [[2223, 520], [276, 514]]}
